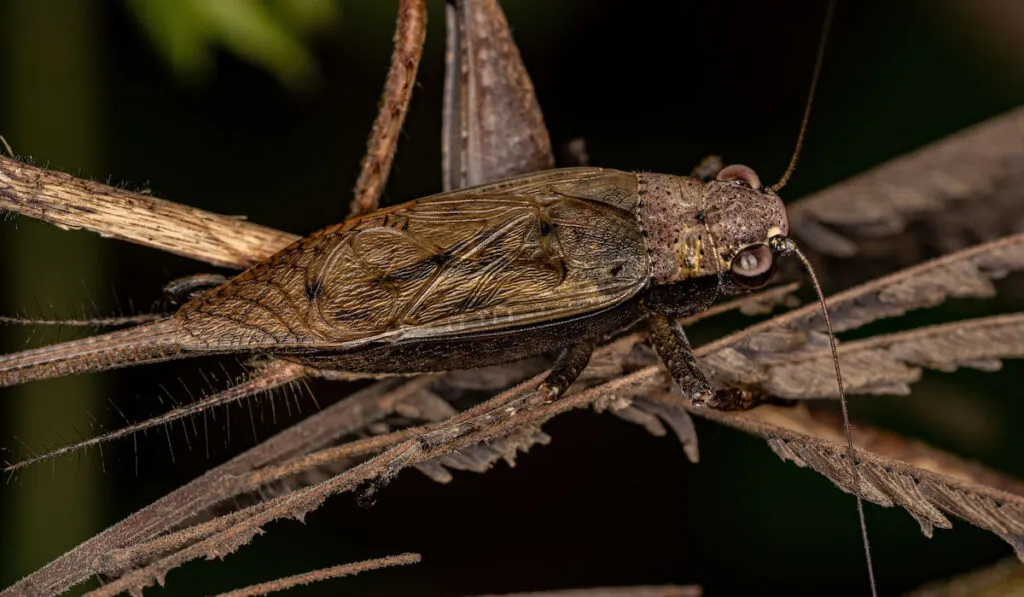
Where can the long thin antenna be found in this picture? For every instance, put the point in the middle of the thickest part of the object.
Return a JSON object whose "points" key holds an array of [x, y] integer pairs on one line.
{"points": [[785, 245], [829, 13]]}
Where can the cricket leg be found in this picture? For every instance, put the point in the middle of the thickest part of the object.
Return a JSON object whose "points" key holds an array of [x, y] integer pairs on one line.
{"points": [[148, 343], [276, 374], [492, 126], [674, 349], [564, 372]]}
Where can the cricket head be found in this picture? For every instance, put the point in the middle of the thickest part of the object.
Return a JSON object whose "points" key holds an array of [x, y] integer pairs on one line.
{"points": [[742, 218], [699, 228]]}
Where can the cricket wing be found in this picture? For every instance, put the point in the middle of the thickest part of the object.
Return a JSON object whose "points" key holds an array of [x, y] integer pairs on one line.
{"points": [[459, 263]]}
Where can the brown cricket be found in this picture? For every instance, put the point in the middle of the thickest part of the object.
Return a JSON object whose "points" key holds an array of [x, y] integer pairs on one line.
{"points": [[556, 260], [475, 277]]}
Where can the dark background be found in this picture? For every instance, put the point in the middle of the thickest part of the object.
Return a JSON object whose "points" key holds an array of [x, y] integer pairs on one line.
{"points": [[651, 86]]}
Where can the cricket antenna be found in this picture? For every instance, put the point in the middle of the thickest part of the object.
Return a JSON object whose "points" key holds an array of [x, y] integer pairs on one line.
{"points": [[829, 13], [785, 246]]}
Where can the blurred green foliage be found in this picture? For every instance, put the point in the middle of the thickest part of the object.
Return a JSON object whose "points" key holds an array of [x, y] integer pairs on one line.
{"points": [[269, 33]]}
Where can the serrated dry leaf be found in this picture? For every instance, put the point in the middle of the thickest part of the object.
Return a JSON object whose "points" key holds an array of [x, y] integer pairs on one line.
{"points": [[925, 490], [956, 191], [887, 364]]}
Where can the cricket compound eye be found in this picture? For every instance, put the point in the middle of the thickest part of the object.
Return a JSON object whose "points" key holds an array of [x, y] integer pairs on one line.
{"points": [[741, 174], [753, 267]]}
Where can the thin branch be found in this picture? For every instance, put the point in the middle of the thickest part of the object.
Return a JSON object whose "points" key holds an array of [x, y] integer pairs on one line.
{"points": [[77, 203], [649, 591], [110, 552], [410, 32], [307, 578]]}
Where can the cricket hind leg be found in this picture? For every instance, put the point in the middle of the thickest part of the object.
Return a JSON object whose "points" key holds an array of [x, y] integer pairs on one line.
{"points": [[274, 375], [147, 343], [566, 369]]}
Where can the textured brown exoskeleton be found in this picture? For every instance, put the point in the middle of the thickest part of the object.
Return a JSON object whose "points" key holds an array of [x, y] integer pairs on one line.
{"points": [[475, 277]]}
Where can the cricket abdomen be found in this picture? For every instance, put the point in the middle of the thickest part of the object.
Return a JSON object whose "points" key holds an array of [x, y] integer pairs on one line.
{"points": [[149, 343]]}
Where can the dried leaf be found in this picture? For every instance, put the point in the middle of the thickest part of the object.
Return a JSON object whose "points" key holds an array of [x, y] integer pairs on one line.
{"points": [[956, 191], [887, 364], [731, 360], [923, 491]]}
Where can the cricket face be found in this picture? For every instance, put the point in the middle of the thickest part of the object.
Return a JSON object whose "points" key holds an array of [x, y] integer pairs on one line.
{"points": [[741, 219]]}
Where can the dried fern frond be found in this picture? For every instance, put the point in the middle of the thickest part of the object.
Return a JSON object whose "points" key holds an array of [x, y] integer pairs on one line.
{"points": [[961, 189], [966, 274], [924, 493], [887, 364]]}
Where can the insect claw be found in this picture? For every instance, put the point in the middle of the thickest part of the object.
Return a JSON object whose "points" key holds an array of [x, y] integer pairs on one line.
{"points": [[702, 399]]}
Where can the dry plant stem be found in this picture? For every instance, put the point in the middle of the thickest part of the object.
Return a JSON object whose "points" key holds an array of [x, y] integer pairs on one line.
{"points": [[112, 550], [642, 591], [76, 203], [496, 421], [297, 580], [410, 31], [884, 443]]}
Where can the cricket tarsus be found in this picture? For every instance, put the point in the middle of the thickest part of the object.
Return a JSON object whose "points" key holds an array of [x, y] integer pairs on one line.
{"points": [[147, 343], [784, 245]]}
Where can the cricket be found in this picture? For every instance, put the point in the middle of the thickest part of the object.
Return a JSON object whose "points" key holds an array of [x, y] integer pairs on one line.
{"points": [[596, 270]]}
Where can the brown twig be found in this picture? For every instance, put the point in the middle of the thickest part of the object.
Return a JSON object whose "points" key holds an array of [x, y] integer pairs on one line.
{"points": [[323, 574], [112, 550], [650, 591], [75, 203], [410, 31]]}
